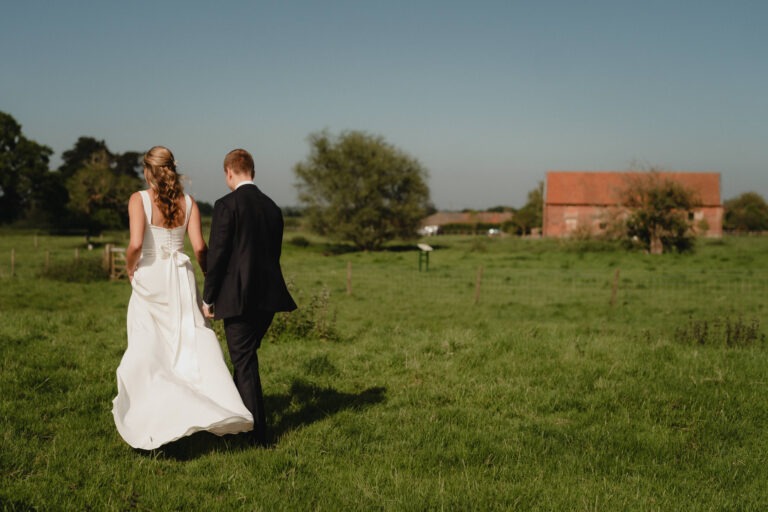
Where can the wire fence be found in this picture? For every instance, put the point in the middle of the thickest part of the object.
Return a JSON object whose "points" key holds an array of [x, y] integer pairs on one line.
{"points": [[495, 286], [25, 255], [23, 265], [487, 284]]}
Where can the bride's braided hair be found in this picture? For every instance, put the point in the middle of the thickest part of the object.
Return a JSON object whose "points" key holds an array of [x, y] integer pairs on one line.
{"points": [[160, 171]]}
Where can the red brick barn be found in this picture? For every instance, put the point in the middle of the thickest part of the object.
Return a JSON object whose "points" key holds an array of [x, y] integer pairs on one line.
{"points": [[578, 202]]}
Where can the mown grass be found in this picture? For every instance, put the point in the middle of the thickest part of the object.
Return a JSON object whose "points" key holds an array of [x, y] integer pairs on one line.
{"points": [[540, 396]]}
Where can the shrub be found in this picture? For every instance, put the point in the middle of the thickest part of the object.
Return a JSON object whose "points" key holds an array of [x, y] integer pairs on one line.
{"points": [[313, 321], [299, 241], [76, 271]]}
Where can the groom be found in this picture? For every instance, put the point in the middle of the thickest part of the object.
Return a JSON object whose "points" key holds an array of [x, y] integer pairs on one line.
{"points": [[244, 285]]}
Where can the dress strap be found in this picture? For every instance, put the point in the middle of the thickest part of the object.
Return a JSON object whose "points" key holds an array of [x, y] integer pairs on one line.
{"points": [[187, 209], [147, 203]]}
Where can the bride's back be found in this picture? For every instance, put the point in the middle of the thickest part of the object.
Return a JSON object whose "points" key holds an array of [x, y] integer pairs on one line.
{"points": [[161, 240], [158, 216]]}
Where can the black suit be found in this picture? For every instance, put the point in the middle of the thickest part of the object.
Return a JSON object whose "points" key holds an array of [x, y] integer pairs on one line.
{"points": [[245, 284]]}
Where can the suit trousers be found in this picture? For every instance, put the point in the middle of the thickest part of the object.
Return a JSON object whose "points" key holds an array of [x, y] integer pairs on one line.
{"points": [[244, 334]]}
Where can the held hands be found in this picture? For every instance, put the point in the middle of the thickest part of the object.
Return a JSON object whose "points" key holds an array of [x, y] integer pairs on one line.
{"points": [[208, 311]]}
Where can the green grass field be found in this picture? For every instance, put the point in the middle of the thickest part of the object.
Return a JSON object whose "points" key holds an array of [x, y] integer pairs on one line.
{"points": [[568, 379]]}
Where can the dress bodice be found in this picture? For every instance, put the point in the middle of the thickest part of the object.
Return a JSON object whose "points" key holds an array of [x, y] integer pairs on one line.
{"points": [[160, 240]]}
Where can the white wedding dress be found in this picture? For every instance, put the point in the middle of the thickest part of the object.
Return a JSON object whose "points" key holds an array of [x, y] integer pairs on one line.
{"points": [[172, 380]]}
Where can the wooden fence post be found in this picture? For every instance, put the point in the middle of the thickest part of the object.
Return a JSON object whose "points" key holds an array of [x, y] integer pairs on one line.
{"points": [[106, 260], [614, 287], [477, 283], [349, 278]]}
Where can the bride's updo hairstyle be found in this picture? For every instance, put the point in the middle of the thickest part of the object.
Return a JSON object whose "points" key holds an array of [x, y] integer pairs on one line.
{"points": [[160, 171]]}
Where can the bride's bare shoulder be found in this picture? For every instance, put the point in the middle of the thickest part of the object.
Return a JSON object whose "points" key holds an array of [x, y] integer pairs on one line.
{"points": [[135, 198]]}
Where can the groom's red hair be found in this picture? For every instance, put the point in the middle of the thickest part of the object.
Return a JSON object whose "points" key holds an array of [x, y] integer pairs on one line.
{"points": [[240, 161]]}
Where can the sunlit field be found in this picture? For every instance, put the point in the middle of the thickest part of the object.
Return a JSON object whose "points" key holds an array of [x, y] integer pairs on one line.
{"points": [[511, 375]]}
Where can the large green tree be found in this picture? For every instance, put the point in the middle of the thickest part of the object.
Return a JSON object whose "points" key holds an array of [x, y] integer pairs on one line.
{"points": [[98, 184], [358, 188], [86, 149], [29, 191], [746, 212], [24, 171], [98, 195], [80, 154], [659, 212]]}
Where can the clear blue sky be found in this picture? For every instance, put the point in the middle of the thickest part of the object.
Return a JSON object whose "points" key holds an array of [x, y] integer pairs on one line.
{"points": [[487, 95]]}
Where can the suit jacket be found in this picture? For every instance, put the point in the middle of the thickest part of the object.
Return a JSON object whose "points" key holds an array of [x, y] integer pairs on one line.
{"points": [[243, 274]]}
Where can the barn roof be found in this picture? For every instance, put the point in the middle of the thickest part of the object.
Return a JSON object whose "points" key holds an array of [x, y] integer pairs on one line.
{"points": [[604, 188]]}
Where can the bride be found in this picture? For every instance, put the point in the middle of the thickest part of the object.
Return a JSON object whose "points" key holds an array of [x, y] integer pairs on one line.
{"points": [[172, 380]]}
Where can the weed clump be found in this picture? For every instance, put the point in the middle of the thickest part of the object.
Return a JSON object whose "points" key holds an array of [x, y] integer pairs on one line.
{"points": [[312, 320], [478, 244], [723, 332], [320, 365]]}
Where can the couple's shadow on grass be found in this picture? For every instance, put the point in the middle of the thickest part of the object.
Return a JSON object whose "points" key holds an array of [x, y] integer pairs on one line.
{"points": [[304, 404]]}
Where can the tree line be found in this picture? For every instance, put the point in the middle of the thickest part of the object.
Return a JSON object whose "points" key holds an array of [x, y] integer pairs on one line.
{"points": [[353, 187], [88, 192]]}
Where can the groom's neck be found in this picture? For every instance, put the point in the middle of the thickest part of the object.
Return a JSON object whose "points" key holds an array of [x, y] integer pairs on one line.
{"points": [[238, 180]]}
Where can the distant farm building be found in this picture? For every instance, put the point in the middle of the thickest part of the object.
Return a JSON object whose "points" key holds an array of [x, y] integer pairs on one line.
{"points": [[577, 202], [464, 222]]}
